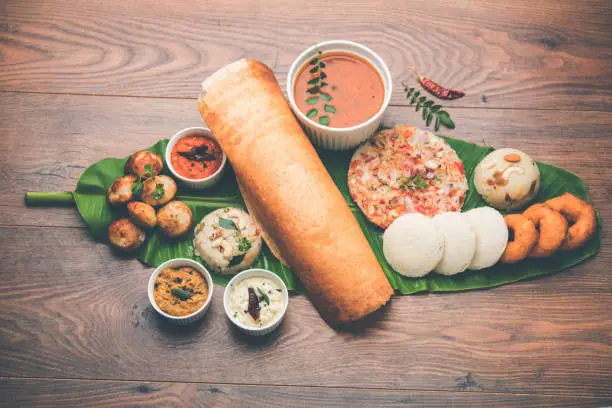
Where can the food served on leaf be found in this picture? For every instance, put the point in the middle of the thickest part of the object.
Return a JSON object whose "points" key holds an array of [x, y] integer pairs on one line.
{"points": [[404, 170], [142, 214], [125, 235], [122, 190], [491, 236], [507, 179], [523, 237], [174, 219], [144, 164], [255, 301], [338, 89], [227, 240], [196, 157], [413, 245], [158, 190], [180, 291], [459, 243], [292, 195], [552, 228], [580, 214]]}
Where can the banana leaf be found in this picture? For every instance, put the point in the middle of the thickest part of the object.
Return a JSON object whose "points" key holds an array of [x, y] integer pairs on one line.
{"points": [[90, 198]]}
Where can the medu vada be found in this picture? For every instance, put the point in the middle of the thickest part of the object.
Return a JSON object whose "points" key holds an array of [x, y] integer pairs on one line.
{"points": [[552, 227], [580, 214], [525, 238]]}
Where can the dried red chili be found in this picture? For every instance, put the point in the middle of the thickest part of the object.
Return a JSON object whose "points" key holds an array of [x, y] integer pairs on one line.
{"points": [[253, 304], [436, 89]]}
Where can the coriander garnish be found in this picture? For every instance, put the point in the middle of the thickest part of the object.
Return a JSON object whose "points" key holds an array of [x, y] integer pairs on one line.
{"points": [[159, 191], [315, 91], [244, 244], [148, 171], [415, 183], [137, 187]]}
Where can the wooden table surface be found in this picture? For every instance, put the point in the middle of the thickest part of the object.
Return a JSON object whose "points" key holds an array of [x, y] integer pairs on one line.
{"points": [[88, 79]]}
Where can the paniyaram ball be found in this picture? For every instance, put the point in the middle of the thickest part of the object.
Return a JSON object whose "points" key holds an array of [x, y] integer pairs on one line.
{"points": [[413, 245]]}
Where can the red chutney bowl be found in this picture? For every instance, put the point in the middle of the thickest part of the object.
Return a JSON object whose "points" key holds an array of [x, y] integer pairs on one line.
{"points": [[195, 158]]}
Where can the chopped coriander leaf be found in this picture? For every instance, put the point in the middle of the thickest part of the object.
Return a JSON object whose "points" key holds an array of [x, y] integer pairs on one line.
{"points": [[148, 170], [159, 192], [244, 244], [137, 187]]}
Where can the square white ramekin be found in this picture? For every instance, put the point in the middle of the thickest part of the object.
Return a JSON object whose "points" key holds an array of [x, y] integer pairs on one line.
{"points": [[256, 331], [176, 263], [340, 138]]}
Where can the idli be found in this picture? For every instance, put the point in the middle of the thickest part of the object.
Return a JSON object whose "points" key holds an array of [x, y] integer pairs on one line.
{"points": [[413, 245], [491, 236], [459, 243]]}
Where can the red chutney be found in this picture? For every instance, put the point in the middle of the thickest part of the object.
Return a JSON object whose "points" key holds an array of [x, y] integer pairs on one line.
{"points": [[196, 157]]}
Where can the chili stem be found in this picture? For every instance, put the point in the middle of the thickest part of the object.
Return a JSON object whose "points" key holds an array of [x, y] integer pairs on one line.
{"points": [[39, 198]]}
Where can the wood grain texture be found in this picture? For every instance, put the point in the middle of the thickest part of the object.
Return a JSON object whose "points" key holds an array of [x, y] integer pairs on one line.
{"points": [[79, 394], [48, 140], [553, 54], [73, 310]]}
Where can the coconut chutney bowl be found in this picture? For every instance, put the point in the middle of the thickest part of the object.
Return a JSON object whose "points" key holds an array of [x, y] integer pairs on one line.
{"points": [[256, 301]]}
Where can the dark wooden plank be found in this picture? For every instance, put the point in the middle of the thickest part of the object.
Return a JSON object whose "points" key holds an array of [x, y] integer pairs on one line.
{"points": [[73, 310], [79, 394], [48, 140], [523, 54]]}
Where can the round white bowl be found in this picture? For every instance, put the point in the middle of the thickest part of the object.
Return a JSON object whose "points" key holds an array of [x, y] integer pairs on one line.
{"points": [[202, 183], [176, 263], [340, 138], [256, 331]]}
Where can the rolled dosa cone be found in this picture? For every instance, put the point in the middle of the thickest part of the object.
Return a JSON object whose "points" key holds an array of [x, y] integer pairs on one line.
{"points": [[290, 192]]}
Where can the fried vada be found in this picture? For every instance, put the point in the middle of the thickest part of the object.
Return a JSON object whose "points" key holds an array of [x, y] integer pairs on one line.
{"points": [[580, 214], [552, 227], [524, 238]]}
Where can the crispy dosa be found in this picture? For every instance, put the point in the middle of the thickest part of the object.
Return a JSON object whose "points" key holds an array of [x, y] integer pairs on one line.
{"points": [[291, 194]]}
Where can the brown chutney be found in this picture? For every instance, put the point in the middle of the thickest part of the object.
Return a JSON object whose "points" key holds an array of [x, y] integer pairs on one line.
{"points": [[180, 291]]}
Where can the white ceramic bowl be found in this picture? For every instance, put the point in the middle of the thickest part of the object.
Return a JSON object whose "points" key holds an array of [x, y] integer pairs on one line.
{"points": [[177, 263], [256, 331], [195, 183], [340, 138]]}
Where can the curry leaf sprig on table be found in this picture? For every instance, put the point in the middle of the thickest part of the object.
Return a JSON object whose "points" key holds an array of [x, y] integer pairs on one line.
{"points": [[430, 109], [317, 83]]}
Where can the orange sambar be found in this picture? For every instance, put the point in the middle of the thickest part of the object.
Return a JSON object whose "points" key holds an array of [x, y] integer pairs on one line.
{"points": [[196, 157], [352, 90]]}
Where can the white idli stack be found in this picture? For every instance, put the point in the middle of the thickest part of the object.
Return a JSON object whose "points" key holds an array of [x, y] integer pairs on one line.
{"points": [[413, 245], [459, 243], [491, 236]]}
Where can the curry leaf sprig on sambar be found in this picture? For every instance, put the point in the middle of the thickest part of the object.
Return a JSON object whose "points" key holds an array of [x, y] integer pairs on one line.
{"points": [[317, 83]]}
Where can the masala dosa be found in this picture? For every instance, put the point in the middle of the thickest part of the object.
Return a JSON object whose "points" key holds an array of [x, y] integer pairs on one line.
{"points": [[290, 192]]}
